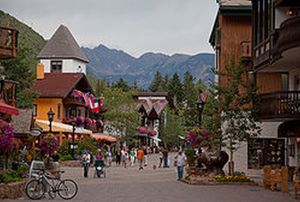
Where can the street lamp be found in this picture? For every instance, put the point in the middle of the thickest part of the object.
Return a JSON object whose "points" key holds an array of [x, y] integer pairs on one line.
{"points": [[50, 118], [73, 138], [200, 105]]}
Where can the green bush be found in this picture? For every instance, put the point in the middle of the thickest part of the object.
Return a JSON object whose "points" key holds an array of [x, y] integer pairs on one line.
{"points": [[10, 176], [190, 155], [65, 157]]}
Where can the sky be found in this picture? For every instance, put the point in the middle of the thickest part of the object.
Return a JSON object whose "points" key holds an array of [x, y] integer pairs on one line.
{"points": [[134, 26]]}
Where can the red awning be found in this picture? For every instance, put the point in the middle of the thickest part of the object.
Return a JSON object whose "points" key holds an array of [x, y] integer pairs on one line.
{"points": [[102, 137], [7, 109]]}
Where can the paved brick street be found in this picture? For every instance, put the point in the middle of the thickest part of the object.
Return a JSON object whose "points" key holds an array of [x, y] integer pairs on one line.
{"points": [[130, 185]]}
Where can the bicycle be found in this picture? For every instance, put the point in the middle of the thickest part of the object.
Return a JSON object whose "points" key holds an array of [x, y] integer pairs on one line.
{"points": [[47, 183]]}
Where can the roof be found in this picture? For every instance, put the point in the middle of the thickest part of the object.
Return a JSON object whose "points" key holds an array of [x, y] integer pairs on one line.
{"points": [[62, 45], [235, 2], [22, 122], [60, 127], [57, 85], [230, 8], [151, 94]]}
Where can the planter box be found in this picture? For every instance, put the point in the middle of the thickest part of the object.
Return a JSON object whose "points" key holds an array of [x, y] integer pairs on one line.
{"points": [[209, 181], [12, 190]]}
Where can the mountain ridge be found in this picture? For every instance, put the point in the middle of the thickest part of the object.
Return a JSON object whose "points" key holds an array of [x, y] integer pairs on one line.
{"points": [[113, 64]]}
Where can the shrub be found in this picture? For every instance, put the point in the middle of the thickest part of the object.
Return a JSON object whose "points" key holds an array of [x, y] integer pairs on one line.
{"points": [[190, 155], [9, 176], [66, 157], [225, 178]]}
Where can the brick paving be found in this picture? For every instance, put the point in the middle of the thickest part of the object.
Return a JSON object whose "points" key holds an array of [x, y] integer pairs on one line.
{"points": [[160, 185]]}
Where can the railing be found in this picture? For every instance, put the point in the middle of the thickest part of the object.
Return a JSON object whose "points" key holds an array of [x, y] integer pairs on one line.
{"points": [[74, 101], [280, 105], [289, 36], [8, 42]]}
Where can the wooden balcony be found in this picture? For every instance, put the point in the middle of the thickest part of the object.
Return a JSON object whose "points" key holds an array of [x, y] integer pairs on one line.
{"points": [[8, 43], [280, 106], [289, 36], [73, 102]]}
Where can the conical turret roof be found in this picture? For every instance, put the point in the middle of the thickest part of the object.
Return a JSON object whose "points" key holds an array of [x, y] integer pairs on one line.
{"points": [[62, 45]]}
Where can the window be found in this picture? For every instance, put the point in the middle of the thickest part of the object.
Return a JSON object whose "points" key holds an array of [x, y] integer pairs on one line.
{"points": [[284, 82], [56, 66], [34, 110], [58, 110], [265, 151]]}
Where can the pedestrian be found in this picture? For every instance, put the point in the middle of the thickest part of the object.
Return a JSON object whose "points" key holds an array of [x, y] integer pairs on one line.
{"points": [[118, 156], [124, 157], [165, 158], [86, 160], [180, 161], [109, 157], [132, 155], [99, 155], [145, 156], [140, 157], [160, 158]]}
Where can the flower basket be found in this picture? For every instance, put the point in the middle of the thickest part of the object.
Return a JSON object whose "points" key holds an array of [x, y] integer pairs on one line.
{"points": [[197, 137]]}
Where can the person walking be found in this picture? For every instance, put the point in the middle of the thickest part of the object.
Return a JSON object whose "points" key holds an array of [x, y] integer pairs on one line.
{"points": [[86, 159], [132, 156], [109, 157], [118, 156], [145, 156], [180, 162], [140, 157], [160, 158], [165, 158]]}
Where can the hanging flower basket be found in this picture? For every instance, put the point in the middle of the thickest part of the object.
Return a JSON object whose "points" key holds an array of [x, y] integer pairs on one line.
{"points": [[152, 132], [197, 136]]}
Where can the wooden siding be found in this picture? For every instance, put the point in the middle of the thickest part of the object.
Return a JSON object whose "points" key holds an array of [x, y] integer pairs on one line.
{"points": [[268, 82], [234, 31]]}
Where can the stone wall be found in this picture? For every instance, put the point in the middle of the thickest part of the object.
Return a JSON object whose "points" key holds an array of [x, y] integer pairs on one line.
{"points": [[12, 190], [70, 164]]}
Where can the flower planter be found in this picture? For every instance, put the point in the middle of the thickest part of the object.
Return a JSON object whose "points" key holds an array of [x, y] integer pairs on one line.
{"points": [[12, 190]]}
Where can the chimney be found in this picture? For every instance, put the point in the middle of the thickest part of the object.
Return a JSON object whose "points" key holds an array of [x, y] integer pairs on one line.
{"points": [[40, 71]]}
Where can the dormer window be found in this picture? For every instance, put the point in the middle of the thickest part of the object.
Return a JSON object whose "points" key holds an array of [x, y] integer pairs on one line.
{"points": [[56, 66]]}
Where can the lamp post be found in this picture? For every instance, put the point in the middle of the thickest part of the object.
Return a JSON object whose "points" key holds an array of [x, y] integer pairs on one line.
{"points": [[50, 118], [73, 138], [200, 105]]}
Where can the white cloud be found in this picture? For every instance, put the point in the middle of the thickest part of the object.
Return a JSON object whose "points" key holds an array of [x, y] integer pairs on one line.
{"points": [[135, 26]]}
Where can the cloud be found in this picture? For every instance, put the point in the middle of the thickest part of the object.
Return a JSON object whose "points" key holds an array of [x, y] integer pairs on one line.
{"points": [[135, 26]]}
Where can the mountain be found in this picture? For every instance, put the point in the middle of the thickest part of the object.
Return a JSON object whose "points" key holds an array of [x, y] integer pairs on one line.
{"points": [[28, 40], [111, 65]]}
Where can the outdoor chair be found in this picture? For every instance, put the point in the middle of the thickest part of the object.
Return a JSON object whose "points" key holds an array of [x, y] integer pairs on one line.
{"points": [[267, 177]]}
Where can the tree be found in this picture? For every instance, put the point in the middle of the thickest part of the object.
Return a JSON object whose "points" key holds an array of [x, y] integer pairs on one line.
{"points": [[19, 70], [189, 101], [122, 85], [172, 129], [175, 90], [236, 112], [156, 82]]}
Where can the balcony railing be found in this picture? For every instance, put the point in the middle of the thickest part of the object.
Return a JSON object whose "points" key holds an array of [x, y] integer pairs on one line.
{"points": [[289, 36], [74, 101], [8, 42], [282, 105]]}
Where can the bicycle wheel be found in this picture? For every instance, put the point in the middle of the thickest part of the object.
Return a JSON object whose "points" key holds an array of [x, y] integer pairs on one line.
{"points": [[35, 189], [67, 189]]}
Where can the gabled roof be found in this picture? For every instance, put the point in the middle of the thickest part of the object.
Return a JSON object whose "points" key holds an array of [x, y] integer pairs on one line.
{"points": [[230, 8], [62, 45], [59, 85], [22, 123]]}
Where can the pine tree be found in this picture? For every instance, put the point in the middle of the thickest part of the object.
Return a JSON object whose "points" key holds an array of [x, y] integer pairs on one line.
{"points": [[189, 100], [156, 82], [122, 85], [19, 70], [175, 90]]}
